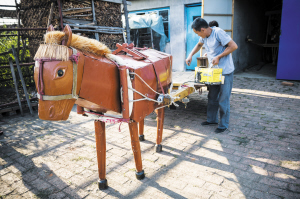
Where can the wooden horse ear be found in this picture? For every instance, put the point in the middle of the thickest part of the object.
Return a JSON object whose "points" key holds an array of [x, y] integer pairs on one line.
{"points": [[68, 36], [50, 28]]}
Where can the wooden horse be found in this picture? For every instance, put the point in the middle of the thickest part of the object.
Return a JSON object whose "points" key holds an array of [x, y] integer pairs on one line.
{"points": [[112, 86]]}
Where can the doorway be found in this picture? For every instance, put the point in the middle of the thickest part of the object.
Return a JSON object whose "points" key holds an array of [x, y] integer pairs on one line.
{"points": [[192, 12]]}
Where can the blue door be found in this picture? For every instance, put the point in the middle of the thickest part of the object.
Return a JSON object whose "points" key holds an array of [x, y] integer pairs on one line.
{"points": [[192, 12], [289, 48]]}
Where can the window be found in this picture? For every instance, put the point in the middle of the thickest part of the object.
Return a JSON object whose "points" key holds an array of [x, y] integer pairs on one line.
{"points": [[163, 12]]}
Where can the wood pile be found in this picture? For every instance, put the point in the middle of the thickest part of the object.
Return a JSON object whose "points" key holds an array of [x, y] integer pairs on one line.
{"points": [[8, 13], [35, 14]]}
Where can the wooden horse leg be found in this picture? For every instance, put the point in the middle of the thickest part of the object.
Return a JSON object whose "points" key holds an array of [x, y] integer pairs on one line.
{"points": [[141, 130], [136, 149], [101, 153], [160, 126]]}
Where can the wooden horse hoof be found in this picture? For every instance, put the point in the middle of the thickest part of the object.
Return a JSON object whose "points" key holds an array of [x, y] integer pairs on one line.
{"points": [[102, 184], [142, 138], [140, 175], [158, 148]]}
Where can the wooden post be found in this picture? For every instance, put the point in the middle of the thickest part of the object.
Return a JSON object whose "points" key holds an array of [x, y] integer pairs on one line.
{"points": [[232, 19], [22, 79], [18, 14], [101, 153], [126, 21], [94, 20], [151, 34], [16, 84], [59, 3], [51, 14], [136, 149], [202, 16]]}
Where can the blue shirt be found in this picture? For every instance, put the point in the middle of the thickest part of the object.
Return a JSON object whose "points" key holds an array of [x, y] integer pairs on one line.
{"points": [[215, 45]]}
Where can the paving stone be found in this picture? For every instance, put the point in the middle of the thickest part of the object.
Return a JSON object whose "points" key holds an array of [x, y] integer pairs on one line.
{"points": [[5, 189], [10, 178], [219, 189], [64, 172], [57, 159], [260, 194], [29, 176], [21, 187], [40, 184], [58, 195], [59, 183], [4, 171], [197, 192], [283, 193]]}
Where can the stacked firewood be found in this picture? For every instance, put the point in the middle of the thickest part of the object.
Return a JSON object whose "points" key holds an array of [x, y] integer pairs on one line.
{"points": [[8, 13], [35, 14], [108, 14]]}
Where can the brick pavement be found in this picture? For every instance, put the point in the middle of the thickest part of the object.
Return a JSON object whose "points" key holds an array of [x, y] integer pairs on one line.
{"points": [[258, 157]]}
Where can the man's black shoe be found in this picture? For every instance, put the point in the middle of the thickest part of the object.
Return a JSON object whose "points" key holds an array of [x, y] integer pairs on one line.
{"points": [[207, 123], [220, 130]]}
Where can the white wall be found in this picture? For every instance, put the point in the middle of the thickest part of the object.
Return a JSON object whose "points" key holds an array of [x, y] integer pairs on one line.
{"points": [[177, 25]]}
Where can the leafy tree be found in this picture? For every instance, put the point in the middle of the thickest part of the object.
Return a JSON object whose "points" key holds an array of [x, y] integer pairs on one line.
{"points": [[6, 43]]}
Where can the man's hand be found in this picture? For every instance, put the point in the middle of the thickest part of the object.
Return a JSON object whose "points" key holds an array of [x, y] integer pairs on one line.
{"points": [[188, 60], [215, 61]]}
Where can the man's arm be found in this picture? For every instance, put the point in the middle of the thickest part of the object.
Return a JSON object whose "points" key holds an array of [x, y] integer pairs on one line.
{"points": [[194, 51], [232, 46]]}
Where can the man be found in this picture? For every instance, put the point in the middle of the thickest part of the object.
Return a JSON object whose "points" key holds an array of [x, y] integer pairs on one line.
{"points": [[213, 23], [219, 47]]}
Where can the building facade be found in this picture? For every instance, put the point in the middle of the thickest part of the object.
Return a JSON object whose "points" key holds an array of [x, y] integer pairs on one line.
{"points": [[180, 14]]}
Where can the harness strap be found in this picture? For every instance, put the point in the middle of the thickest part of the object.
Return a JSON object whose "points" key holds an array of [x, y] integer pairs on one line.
{"points": [[40, 80], [41, 95], [75, 62], [157, 76], [54, 98]]}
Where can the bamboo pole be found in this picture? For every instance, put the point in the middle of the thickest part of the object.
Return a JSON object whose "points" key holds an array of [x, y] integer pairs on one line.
{"points": [[22, 79], [16, 84], [126, 21]]}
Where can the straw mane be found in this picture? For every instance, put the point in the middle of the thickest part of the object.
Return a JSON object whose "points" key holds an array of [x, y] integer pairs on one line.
{"points": [[53, 49], [79, 42]]}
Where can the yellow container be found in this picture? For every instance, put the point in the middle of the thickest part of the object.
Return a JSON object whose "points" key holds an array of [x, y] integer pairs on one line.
{"points": [[208, 75]]}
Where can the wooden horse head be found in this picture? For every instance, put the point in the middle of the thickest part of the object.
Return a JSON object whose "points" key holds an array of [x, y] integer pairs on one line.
{"points": [[58, 76]]}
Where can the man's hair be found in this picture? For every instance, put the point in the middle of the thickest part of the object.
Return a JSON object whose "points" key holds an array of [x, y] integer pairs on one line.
{"points": [[213, 23], [199, 23]]}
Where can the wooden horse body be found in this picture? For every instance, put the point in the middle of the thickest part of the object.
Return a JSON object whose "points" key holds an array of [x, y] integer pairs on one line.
{"points": [[123, 89]]}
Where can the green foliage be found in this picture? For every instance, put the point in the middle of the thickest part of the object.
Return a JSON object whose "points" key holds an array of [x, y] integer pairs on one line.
{"points": [[6, 44]]}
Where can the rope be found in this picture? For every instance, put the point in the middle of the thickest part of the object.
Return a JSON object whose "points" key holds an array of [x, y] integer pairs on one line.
{"points": [[145, 83], [145, 97], [109, 119]]}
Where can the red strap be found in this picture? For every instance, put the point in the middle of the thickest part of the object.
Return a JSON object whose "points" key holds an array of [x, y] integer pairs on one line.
{"points": [[157, 76], [40, 80]]}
